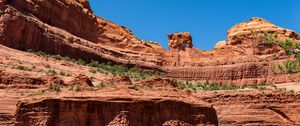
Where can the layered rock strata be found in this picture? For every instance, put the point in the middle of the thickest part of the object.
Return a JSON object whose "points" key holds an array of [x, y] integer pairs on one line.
{"points": [[249, 56], [113, 111], [70, 28], [256, 108]]}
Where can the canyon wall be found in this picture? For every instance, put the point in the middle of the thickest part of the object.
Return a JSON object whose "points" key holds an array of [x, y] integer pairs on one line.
{"points": [[249, 56], [70, 28], [256, 108], [114, 112]]}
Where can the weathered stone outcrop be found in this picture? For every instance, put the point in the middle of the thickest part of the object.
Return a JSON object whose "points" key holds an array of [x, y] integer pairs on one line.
{"points": [[244, 32], [256, 108], [69, 28], [82, 80], [113, 111], [249, 56], [235, 74], [180, 41]]}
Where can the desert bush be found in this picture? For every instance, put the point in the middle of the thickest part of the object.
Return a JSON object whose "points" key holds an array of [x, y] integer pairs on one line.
{"points": [[289, 66], [214, 86], [24, 68], [51, 72], [270, 38], [55, 87], [297, 56], [81, 62], [57, 57], [93, 71], [41, 53], [289, 46], [62, 73], [94, 63], [286, 90], [105, 67], [204, 86]]}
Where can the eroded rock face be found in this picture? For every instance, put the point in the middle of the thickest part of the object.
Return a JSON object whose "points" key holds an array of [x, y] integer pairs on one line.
{"points": [[180, 40], [7, 79], [248, 57], [244, 32], [82, 80], [113, 112], [120, 80], [69, 28], [256, 108]]}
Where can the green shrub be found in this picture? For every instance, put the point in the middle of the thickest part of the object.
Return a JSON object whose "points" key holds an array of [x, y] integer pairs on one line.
{"points": [[288, 45], [204, 86], [270, 38], [81, 62], [298, 56], [291, 66], [41, 53], [214, 86], [66, 58], [22, 68], [105, 68], [58, 57], [94, 64], [51, 72], [282, 89], [62, 73], [55, 87], [93, 71], [39, 71]]}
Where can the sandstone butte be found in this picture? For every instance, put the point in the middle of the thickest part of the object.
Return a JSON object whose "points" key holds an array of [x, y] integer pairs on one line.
{"points": [[248, 57]]}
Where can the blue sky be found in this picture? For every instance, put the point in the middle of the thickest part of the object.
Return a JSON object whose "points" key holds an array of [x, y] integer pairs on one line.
{"points": [[207, 20]]}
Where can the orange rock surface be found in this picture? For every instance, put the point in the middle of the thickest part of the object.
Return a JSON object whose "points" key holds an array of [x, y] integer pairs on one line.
{"points": [[70, 28]]}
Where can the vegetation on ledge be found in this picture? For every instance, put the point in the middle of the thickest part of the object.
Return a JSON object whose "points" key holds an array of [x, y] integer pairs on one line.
{"points": [[106, 67]]}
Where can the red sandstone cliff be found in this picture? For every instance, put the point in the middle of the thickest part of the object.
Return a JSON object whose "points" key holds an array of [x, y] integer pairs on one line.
{"points": [[69, 28], [245, 58], [114, 112]]}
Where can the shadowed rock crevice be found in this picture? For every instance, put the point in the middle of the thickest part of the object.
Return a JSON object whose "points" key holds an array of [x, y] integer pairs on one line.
{"points": [[282, 114]]}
